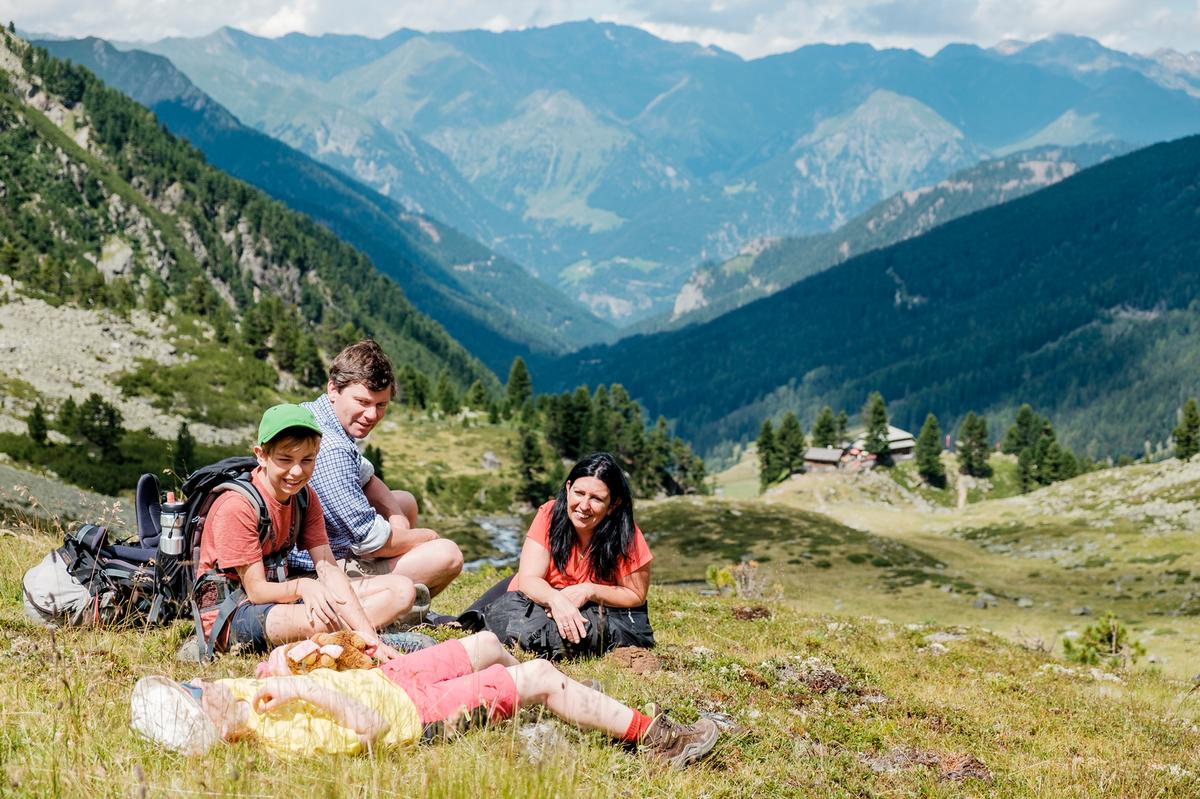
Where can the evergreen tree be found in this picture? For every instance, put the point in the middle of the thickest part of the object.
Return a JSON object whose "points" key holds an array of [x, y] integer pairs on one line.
{"points": [[875, 419], [520, 385], [929, 452], [1026, 464], [530, 467], [477, 396], [493, 413], [310, 370], [1186, 435], [37, 425], [824, 432], [183, 459], [66, 416], [1025, 431], [447, 397], [842, 428], [790, 443], [768, 455], [973, 446], [375, 456], [99, 423]]}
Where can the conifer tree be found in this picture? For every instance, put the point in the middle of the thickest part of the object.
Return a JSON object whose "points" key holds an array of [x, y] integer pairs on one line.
{"points": [[66, 416], [824, 432], [183, 459], [973, 447], [375, 456], [1026, 476], [842, 428], [520, 385], [768, 455], [447, 397], [530, 467], [929, 451], [790, 443], [875, 419], [37, 425], [1024, 432], [476, 396], [1186, 435]]}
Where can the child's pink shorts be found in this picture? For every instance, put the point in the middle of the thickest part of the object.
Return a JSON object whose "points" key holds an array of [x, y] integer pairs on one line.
{"points": [[440, 682]]}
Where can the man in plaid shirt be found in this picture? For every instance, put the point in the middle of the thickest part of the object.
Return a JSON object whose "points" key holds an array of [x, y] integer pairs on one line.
{"points": [[372, 529]]}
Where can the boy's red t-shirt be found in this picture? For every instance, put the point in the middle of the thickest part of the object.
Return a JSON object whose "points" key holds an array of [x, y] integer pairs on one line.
{"points": [[578, 569], [231, 533]]}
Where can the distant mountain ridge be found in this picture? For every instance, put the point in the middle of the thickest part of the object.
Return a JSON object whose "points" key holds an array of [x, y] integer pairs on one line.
{"points": [[766, 266], [611, 162], [1081, 299], [492, 306]]}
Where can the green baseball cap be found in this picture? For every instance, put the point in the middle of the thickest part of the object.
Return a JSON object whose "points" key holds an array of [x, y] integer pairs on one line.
{"points": [[278, 418]]}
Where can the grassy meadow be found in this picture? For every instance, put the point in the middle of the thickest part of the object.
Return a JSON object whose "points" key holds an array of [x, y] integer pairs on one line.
{"points": [[860, 668]]}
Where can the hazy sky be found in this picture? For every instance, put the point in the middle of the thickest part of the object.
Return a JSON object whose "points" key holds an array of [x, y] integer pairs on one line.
{"points": [[748, 27]]}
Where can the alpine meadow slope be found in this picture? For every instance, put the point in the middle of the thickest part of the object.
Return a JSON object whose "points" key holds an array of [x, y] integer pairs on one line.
{"points": [[489, 304], [1080, 299], [614, 162]]}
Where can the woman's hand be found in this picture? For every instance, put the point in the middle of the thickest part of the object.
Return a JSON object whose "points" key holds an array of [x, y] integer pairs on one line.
{"points": [[323, 605], [578, 595], [572, 626]]}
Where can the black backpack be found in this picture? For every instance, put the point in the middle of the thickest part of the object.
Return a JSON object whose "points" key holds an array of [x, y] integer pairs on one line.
{"points": [[91, 580], [219, 588]]}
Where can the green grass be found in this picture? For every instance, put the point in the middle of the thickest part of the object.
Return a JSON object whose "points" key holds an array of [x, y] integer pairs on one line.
{"points": [[1039, 733]]}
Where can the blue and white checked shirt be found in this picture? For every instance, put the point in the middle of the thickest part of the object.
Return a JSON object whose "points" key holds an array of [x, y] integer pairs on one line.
{"points": [[338, 478]]}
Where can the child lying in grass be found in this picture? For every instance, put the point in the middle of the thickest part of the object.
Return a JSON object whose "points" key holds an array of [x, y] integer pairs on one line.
{"points": [[351, 711]]}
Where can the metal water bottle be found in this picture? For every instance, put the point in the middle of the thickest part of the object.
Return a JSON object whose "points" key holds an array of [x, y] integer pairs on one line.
{"points": [[170, 541]]}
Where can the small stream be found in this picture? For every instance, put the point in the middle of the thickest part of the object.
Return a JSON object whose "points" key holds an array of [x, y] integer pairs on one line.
{"points": [[506, 534]]}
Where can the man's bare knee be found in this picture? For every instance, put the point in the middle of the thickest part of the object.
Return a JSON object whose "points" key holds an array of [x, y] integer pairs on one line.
{"points": [[407, 504]]}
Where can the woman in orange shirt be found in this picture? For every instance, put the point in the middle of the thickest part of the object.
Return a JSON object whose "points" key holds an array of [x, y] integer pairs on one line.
{"points": [[584, 571]]}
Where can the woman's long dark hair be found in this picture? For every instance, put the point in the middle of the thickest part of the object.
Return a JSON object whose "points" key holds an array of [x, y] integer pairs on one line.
{"points": [[613, 536]]}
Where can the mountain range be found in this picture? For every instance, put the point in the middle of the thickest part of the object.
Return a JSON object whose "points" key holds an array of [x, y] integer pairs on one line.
{"points": [[765, 266], [492, 306], [1081, 299], [611, 163]]}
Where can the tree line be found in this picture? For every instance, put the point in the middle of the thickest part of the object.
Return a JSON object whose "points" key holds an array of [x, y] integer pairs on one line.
{"points": [[1041, 458]]}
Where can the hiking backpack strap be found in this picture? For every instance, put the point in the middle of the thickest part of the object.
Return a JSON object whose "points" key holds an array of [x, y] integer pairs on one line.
{"points": [[275, 564]]}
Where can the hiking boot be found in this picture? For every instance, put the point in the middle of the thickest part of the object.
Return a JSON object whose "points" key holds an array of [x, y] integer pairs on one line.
{"points": [[188, 651], [408, 642], [678, 744]]}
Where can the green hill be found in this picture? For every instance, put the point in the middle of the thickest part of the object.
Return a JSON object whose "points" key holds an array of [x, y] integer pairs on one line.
{"points": [[107, 213], [492, 306], [1079, 299]]}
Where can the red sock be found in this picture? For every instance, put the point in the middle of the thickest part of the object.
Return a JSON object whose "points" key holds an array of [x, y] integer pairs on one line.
{"points": [[637, 728]]}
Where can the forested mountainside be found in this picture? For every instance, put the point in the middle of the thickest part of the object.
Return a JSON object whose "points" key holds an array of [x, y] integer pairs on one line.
{"points": [[102, 208], [492, 306], [611, 162], [766, 266], [1081, 299]]}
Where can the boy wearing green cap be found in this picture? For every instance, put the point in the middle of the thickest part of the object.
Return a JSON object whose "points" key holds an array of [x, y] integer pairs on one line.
{"points": [[278, 609]]}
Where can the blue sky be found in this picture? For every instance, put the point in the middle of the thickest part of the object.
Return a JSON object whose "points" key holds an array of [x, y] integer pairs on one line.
{"points": [[749, 27]]}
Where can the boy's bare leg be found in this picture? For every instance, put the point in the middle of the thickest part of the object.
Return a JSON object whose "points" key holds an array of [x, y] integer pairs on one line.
{"points": [[539, 683], [383, 599]]}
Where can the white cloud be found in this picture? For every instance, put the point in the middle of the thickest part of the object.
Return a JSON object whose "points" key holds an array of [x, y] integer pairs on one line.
{"points": [[749, 27]]}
